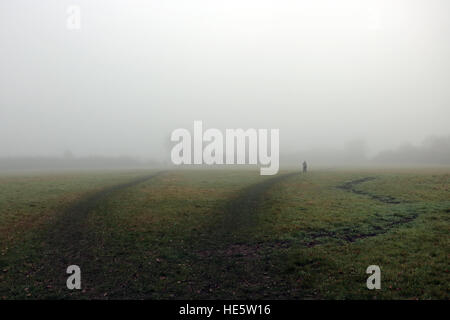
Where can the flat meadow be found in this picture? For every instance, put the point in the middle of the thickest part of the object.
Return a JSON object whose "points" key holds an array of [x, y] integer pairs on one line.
{"points": [[226, 234]]}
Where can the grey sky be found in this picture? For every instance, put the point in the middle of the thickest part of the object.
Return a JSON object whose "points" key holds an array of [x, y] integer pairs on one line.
{"points": [[323, 72]]}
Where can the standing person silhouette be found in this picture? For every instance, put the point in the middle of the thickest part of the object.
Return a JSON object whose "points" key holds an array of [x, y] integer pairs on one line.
{"points": [[305, 166]]}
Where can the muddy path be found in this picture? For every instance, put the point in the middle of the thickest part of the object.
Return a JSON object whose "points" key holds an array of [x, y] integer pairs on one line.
{"points": [[378, 225], [241, 212], [384, 224], [67, 240], [350, 187], [237, 215], [228, 264]]}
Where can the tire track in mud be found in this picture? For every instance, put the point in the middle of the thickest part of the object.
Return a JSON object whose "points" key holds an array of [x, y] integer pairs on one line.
{"points": [[67, 241], [378, 230], [350, 187]]}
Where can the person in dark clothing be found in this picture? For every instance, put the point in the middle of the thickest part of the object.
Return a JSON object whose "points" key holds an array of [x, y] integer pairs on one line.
{"points": [[305, 166]]}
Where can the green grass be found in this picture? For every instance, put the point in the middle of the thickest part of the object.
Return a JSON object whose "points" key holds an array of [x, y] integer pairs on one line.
{"points": [[205, 234], [27, 201]]}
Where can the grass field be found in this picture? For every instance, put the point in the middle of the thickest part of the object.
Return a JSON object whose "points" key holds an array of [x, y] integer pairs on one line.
{"points": [[206, 234]]}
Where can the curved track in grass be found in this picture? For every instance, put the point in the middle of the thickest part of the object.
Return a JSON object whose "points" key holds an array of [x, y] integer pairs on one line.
{"points": [[386, 225], [67, 241]]}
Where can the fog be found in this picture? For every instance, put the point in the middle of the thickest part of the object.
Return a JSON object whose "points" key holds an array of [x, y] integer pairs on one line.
{"points": [[342, 80]]}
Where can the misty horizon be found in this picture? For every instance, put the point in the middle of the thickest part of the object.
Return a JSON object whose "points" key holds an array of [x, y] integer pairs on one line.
{"points": [[434, 151], [330, 76]]}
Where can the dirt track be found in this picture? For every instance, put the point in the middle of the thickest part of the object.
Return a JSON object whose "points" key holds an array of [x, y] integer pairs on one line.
{"points": [[242, 211], [350, 187], [225, 258], [67, 240]]}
